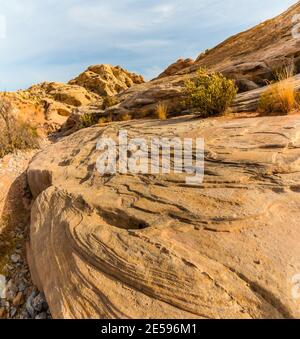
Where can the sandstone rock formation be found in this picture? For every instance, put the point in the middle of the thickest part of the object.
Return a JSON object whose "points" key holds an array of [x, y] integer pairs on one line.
{"points": [[65, 94], [249, 57], [106, 80], [74, 121], [51, 103], [150, 246], [58, 100], [47, 105], [141, 100]]}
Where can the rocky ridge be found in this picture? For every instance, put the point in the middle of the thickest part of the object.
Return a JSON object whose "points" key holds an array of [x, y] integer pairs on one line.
{"points": [[49, 104], [253, 55], [251, 58]]}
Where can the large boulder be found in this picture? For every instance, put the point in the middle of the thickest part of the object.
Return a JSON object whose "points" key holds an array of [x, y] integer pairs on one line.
{"points": [[151, 246], [141, 101], [106, 80], [245, 85], [72, 95]]}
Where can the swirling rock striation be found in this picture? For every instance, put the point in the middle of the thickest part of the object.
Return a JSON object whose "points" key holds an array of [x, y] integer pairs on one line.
{"points": [[150, 246]]}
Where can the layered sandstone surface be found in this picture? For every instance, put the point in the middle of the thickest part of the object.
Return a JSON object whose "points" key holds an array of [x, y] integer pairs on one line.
{"points": [[150, 246]]}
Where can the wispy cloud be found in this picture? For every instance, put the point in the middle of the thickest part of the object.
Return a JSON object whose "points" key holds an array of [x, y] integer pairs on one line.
{"points": [[143, 45], [56, 39], [105, 17]]}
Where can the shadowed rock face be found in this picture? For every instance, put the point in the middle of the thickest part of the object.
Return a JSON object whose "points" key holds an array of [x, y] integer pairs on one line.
{"points": [[144, 246]]}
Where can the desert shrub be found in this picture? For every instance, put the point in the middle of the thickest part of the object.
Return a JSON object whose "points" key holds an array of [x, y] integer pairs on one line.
{"points": [[210, 93], [88, 120], [161, 111], [15, 133], [281, 96], [109, 101]]}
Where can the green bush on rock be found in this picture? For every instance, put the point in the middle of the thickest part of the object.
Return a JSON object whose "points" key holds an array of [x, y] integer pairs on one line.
{"points": [[209, 93]]}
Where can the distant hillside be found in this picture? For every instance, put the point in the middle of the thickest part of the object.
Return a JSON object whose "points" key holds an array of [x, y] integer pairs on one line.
{"points": [[255, 53]]}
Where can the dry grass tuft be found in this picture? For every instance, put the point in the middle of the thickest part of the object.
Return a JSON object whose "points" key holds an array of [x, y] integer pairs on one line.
{"points": [[280, 97], [162, 111], [285, 72]]}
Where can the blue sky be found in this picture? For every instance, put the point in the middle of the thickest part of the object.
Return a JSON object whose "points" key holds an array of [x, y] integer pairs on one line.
{"points": [[55, 40]]}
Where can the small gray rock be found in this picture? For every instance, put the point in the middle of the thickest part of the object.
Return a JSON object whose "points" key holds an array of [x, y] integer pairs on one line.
{"points": [[15, 258], [25, 315], [41, 316], [22, 286], [10, 290], [39, 303], [13, 312], [29, 307]]}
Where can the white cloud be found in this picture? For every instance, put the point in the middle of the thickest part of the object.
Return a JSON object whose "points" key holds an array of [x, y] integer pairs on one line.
{"points": [[114, 16]]}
